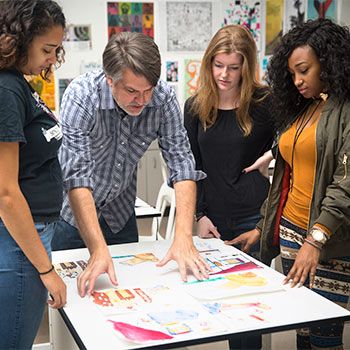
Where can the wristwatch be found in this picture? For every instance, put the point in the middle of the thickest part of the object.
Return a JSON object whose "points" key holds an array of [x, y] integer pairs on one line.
{"points": [[318, 236]]}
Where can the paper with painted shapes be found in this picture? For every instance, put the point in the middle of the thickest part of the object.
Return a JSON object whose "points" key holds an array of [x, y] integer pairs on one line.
{"points": [[117, 301], [233, 284], [70, 270]]}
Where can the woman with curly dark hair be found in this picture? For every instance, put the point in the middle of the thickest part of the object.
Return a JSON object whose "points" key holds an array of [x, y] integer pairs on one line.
{"points": [[307, 213], [31, 33]]}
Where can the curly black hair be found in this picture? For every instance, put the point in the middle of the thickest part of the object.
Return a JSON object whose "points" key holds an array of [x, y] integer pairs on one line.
{"points": [[20, 22], [331, 45]]}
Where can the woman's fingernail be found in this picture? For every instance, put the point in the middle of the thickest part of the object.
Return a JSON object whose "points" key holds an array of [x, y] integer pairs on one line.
{"points": [[298, 285]]}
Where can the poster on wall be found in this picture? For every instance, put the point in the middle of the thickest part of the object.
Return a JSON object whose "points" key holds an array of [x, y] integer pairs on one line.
{"points": [[295, 14], [46, 90], [189, 25], [78, 38], [192, 68], [130, 17], [274, 24], [62, 85], [172, 71], [246, 13], [322, 9]]}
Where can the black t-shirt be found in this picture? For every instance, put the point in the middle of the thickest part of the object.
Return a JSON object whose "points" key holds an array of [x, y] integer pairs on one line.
{"points": [[222, 152], [24, 118]]}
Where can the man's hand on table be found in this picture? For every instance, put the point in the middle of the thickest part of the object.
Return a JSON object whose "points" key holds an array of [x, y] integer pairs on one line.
{"points": [[100, 262], [186, 255]]}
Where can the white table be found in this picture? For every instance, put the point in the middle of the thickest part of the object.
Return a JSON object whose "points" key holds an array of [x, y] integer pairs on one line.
{"points": [[144, 210], [291, 308]]}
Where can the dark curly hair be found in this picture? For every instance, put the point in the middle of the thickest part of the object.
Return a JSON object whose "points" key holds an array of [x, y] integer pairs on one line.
{"points": [[20, 22], [331, 45]]}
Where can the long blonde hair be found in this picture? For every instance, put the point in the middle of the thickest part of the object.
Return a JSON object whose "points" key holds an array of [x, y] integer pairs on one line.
{"points": [[232, 38]]}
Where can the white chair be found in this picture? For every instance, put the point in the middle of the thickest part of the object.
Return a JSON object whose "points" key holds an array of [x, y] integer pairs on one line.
{"points": [[166, 197]]}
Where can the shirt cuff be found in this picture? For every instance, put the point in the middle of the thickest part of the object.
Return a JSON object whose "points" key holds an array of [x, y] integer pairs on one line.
{"points": [[194, 175], [77, 183]]}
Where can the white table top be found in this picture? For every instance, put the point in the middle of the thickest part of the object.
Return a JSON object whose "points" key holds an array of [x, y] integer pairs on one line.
{"points": [[284, 309], [144, 210]]}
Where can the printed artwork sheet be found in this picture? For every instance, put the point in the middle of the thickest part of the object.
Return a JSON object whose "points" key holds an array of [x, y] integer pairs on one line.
{"points": [[233, 284], [180, 317], [240, 315], [225, 263]]}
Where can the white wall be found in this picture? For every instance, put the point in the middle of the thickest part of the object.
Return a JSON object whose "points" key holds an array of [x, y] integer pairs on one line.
{"points": [[94, 13]]}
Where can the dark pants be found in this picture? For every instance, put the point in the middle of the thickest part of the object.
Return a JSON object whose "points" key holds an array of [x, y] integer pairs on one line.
{"points": [[67, 236], [230, 228]]}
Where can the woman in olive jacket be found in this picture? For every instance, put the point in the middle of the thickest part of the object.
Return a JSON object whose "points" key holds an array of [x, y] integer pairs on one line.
{"points": [[306, 217]]}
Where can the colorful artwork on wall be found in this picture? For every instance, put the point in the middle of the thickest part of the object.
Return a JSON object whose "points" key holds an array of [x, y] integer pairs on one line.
{"points": [[130, 17], [192, 68], [322, 9], [78, 38], [246, 13], [189, 25], [274, 24], [45, 89], [172, 71]]}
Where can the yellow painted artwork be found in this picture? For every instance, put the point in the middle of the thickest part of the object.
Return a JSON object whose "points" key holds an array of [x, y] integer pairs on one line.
{"points": [[46, 90], [249, 279], [274, 24]]}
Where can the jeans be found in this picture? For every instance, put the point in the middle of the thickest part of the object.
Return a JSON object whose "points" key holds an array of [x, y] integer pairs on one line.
{"points": [[67, 236], [23, 296], [229, 228]]}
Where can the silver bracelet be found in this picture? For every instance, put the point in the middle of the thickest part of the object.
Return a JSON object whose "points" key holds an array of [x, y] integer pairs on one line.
{"points": [[312, 243]]}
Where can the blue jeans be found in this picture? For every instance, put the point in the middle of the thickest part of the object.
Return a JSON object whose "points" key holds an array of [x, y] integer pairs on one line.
{"points": [[67, 236], [23, 296], [230, 228]]}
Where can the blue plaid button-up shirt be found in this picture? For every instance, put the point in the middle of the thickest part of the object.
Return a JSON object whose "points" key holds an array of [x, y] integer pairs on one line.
{"points": [[102, 145]]}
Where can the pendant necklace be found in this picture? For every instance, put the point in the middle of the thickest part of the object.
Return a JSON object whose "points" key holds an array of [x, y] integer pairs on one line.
{"points": [[300, 129]]}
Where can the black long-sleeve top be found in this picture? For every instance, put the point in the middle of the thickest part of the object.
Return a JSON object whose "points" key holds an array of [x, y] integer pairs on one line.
{"points": [[222, 152]]}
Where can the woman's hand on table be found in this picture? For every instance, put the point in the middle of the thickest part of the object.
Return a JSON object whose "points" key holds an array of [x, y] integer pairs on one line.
{"points": [[304, 265], [245, 240], [206, 229]]}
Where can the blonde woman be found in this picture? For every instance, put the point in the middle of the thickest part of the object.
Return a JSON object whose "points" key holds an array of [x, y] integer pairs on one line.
{"points": [[229, 125]]}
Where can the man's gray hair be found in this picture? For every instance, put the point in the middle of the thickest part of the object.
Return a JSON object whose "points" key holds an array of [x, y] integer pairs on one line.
{"points": [[135, 51]]}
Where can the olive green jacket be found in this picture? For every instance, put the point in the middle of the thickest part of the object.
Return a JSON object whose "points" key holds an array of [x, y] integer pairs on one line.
{"points": [[330, 203]]}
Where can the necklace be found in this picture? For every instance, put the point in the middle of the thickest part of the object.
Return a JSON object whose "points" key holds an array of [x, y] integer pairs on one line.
{"points": [[303, 122]]}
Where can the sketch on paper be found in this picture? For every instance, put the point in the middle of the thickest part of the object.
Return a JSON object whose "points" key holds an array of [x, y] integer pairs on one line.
{"points": [[295, 14], [189, 25], [242, 315], [69, 270], [192, 68], [246, 13], [130, 17], [274, 24], [232, 285], [78, 38], [135, 259], [116, 301], [221, 264], [322, 9], [168, 321]]}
